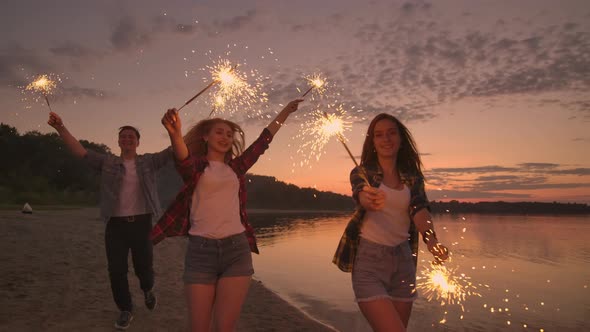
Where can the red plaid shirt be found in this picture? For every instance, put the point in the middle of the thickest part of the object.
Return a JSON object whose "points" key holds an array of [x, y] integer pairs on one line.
{"points": [[175, 220]]}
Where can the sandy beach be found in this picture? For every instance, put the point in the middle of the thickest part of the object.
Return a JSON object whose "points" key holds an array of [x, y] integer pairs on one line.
{"points": [[54, 278]]}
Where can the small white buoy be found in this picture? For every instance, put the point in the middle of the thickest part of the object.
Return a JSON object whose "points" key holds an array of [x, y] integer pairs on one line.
{"points": [[27, 209]]}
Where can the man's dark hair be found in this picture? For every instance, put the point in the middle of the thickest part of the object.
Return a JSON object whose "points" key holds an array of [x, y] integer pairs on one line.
{"points": [[130, 128]]}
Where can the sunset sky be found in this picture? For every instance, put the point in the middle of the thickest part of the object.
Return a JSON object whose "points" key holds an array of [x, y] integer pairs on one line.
{"points": [[496, 93]]}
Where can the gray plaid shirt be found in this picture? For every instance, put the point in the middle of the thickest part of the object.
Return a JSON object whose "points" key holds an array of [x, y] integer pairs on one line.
{"points": [[112, 170]]}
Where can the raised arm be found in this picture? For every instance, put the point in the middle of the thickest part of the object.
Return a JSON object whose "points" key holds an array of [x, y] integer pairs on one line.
{"points": [[276, 124], [71, 142], [171, 121]]}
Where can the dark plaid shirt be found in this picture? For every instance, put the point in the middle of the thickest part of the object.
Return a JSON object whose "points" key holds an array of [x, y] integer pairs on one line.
{"points": [[176, 221], [346, 251]]}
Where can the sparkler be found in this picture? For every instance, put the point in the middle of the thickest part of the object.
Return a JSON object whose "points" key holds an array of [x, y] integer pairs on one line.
{"points": [[43, 84], [320, 130], [219, 102], [325, 125], [334, 126], [445, 285], [234, 90], [222, 74], [316, 81]]}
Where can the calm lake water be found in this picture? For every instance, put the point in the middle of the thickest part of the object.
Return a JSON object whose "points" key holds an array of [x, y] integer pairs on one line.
{"points": [[532, 272]]}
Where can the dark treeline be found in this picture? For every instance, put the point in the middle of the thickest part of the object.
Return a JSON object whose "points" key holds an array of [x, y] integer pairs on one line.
{"points": [[265, 192], [264, 189], [510, 208], [38, 169]]}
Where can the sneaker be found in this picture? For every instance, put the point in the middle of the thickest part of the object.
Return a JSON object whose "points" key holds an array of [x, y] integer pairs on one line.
{"points": [[124, 320], [151, 301]]}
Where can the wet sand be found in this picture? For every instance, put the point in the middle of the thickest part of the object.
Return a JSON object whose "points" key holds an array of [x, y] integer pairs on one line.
{"points": [[54, 278]]}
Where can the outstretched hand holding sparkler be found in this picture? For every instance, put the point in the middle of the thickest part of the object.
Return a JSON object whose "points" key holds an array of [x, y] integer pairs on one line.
{"points": [[372, 198], [171, 121], [55, 121]]}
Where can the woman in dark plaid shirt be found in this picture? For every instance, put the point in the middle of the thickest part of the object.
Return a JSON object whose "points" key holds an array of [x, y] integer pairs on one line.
{"points": [[379, 245], [211, 209]]}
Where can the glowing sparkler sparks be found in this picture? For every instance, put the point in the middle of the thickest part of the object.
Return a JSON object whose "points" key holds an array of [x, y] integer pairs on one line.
{"points": [[445, 285], [221, 75], [317, 82], [234, 91], [318, 131], [43, 84], [219, 102]]}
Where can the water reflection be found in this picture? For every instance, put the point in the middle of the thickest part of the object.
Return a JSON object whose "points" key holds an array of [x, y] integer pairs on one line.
{"points": [[531, 271]]}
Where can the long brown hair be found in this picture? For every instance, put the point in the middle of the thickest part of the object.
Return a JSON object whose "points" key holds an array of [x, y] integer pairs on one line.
{"points": [[195, 138], [408, 160]]}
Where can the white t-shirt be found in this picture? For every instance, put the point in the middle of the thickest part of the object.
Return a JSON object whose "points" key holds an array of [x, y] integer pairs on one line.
{"points": [[389, 226], [215, 207], [131, 200]]}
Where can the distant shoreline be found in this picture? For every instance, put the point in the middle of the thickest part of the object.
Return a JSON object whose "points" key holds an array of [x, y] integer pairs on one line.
{"points": [[281, 211], [488, 208], [517, 208]]}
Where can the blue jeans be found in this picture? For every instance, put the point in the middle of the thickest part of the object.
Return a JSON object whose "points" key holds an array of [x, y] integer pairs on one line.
{"points": [[121, 235]]}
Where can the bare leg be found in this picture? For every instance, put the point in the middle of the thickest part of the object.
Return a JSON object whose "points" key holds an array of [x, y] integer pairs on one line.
{"points": [[382, 315], [231, 294], [200, 299], [404, 309]]}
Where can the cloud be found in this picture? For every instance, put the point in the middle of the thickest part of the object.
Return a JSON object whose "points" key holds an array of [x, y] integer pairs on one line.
{"points": [[18, 65], [127, 35], [581, 139], [167, 24], [16, 62], [409, 7], [130, 33], [237, 22], [527, 186], [538, 165], [496, 177], [75, 50], [420, 67], [81, 92], [500, 179], [471, 170], [471, 194], [574, 171], [538, 169]]}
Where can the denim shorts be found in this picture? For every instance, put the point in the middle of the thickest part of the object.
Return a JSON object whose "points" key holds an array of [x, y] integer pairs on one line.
{"points": [[208, 260], [381, 271]]}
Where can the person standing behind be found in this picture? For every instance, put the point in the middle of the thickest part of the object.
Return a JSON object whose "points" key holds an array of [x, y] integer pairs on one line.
{"points": [[128, 202], [380, 243], [211, 209]]}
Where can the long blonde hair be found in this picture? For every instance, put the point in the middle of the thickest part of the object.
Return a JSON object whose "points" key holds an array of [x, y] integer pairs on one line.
{"points": [[195, 138]]}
